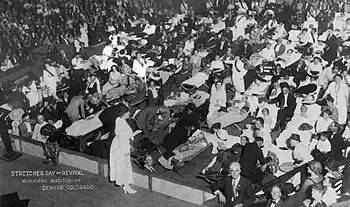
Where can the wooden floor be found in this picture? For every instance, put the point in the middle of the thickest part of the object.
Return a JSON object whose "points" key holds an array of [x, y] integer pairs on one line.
{"points": [[189, 172]]}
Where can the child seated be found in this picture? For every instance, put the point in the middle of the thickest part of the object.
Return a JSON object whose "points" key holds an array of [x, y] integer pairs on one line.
{"points": [[321, 143]]}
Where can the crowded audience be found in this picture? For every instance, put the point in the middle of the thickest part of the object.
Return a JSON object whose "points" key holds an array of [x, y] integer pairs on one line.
{"points": [[282, 67]]}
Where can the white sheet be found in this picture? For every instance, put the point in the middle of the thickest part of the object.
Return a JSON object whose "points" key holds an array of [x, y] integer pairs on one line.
{"points": [[227, 118], [198, 80], [84, 126]]}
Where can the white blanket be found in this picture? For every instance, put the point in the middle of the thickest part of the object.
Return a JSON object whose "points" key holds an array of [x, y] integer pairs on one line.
{"points": [[198, 80], [258, 88], [84, 126], [227, 118], [185, 98]]}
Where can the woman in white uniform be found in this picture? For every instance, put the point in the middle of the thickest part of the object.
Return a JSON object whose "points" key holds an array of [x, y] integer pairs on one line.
{"points": [[340, 93], [238, 73], [120, 163]]}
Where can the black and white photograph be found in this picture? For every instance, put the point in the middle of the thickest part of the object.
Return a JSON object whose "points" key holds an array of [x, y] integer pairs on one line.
{"points": [[174, 103]]}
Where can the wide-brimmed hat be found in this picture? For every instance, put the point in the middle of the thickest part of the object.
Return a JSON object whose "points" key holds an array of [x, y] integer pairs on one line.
{"points": [[305, 127], [16, 114], [295, 137], [287, 189], [286, 167], [47, 129]]}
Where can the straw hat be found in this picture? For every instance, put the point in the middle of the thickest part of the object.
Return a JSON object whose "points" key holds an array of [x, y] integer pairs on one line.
{"points": [[16, 114], [305, 127]]}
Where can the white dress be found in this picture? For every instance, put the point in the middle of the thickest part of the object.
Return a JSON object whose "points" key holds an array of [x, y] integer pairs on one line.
{"points": [[217, 100], [340, 94], [84, 35], [120, 164], [33, 96], [238, 73]]}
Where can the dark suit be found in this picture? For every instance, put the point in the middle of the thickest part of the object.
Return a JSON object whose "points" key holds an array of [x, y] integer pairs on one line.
{"points": [[245, 51], [221, 47], [228, 34], [280, 203], [284, 112], [23, 130], [168, 52], [244, 189], [337, 143], [251, 154]]}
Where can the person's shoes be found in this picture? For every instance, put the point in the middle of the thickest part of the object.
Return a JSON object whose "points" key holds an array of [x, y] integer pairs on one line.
{"points": [[54, 162], [46, 161], [128, 189]]}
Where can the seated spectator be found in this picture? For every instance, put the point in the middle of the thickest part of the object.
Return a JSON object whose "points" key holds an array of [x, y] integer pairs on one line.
{"points": [[40, 123], [279, 48], [324, 121], [330, 195], [268, 53], [25, 127], [301, 153], [287, 103], [113, 81], [337, 142], [152, 95], [217, 65], [333, 108], [276, 198], [234, 190], [7, 64], [139, 66], [321, 144], [93, 85], [252, 157], [62, 72], [77, 62], [318, 191], [262, 130], [245, 50], [305, 191], [269, 123]]}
